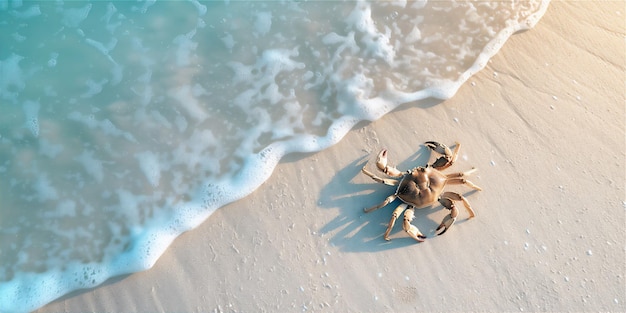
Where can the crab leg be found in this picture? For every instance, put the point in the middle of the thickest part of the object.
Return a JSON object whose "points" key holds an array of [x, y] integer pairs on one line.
{"points": [[390, 182], [457, 179], [394, 217], [381, 163], [457, 197], [411, 229], [447, 157], [382, 204], [462, 174], [463, 181], [446, 200]]}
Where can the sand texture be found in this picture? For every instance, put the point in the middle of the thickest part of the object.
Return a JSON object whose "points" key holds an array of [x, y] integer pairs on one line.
{"points": [[544, 124]]}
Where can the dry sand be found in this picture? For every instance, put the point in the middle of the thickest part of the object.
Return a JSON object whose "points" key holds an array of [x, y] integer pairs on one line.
{"points": [[544, 123]]}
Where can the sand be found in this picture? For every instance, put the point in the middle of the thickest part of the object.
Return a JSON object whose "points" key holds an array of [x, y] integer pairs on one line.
{"points": [[544, 123]]}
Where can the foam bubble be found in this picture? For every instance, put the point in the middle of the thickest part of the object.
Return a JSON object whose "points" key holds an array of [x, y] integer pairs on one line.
{"points": [[31, 112], [52, 62]]}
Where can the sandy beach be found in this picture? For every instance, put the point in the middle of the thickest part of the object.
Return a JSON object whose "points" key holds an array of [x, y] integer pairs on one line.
{"points": [[544, 123]]}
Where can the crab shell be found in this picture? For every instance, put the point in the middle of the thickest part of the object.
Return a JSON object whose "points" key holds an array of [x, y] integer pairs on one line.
{"points": [[421, 186]]}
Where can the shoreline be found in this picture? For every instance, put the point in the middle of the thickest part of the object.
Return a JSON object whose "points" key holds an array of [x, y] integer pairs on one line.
{"points": [[543, 128]]}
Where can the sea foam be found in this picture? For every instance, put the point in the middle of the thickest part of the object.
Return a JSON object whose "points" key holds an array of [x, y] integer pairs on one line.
{"points": [[124, 124]]}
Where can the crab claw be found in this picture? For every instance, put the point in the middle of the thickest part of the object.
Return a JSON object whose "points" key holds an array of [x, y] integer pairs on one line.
{"points": [[381, 160], [447, 222], [416, 234], [381, 163], [438, 147], [447, 157], [411, 229]]}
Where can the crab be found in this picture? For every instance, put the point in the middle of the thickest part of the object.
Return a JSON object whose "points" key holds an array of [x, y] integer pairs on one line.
{"points": [[421, 187]]}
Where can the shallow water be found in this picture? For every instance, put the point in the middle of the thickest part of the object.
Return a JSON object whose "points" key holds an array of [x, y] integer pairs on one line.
{"points": [[123, 124]]}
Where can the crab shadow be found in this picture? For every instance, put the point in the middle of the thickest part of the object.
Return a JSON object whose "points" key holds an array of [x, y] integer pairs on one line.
{"points": [[353, 230]]}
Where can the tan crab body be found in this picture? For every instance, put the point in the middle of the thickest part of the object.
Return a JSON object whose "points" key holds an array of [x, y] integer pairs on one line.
{"points": [[421, 187]]}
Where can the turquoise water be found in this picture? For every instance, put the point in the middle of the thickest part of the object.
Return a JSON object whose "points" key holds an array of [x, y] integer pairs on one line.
{"points": [[126, 123]]}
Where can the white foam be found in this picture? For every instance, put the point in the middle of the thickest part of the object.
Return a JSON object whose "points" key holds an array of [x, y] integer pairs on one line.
{"points": [[147, 4], [52, 62], [91, 165], [117, 73], [67, 208], [111, 10], [45, 191], [104, 49], [149, 164], [105, 126], [73, 17], [228, 41], [185, 48], [202, 9], [263, 22], [185, 98], [11, 77], [32, 11], [48, 148], [376, 41], [93, 88]]}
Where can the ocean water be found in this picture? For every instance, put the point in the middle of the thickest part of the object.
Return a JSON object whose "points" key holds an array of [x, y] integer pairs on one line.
{"points": [[125, 123]]}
